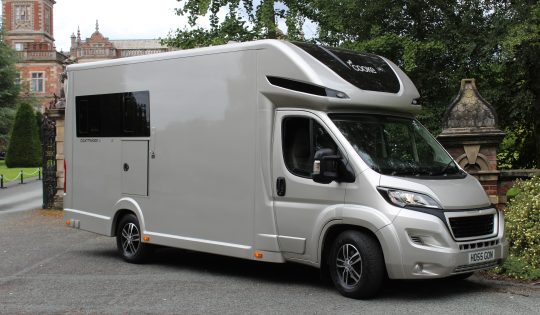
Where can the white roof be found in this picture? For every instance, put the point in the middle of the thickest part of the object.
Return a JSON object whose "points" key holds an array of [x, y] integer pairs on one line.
{"points": [[138, 44]]}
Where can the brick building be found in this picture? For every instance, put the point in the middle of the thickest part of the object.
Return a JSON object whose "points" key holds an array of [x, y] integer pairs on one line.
{"points": [[28, 27], [98, 47]]}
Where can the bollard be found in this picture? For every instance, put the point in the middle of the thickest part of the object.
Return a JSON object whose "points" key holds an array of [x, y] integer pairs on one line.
{"points": [[22, 179], [39, 174], [1, 181]]}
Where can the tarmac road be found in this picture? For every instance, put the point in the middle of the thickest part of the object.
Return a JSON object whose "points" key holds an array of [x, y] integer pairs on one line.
{"points": [[48, 268], [21, 197]]}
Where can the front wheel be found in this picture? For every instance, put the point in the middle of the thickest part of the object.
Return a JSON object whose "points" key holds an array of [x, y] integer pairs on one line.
{"points": [[356, 265], [129, 240]]}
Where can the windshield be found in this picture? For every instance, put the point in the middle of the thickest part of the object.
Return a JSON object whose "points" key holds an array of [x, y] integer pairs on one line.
{"points": [[396, 146]]}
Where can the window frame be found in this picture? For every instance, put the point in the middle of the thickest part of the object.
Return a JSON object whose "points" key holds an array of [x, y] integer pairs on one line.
{"points": [[40, 81], [101, 110], [312, 121]]}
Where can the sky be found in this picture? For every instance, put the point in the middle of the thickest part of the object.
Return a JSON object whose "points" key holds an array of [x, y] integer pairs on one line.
{"points": [[122, 19], [118, 19]]}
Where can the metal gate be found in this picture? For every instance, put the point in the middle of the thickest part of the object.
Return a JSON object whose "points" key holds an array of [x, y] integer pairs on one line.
{"points": [[48, 147]]}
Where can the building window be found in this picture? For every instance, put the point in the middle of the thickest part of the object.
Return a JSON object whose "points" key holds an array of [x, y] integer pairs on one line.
{"points": [[22, 13], [22, 16], [47, 20], [36, 84], [18, 79], [19, 46]]}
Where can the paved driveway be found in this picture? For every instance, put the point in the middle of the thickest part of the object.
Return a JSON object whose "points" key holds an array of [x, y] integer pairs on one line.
{"points": [[46, 267], [21, 197]]}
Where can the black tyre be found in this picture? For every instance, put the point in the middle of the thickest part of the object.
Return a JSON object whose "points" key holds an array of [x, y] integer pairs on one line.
{"points": [[356, 265], [129, 240]]}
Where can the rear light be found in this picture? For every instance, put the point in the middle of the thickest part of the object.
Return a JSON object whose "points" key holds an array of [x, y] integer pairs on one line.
{"points": [[65, 176]]}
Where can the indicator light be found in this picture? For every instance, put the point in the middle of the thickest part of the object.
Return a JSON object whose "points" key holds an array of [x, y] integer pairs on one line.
{"points": [[146, 238], [258, 255]]}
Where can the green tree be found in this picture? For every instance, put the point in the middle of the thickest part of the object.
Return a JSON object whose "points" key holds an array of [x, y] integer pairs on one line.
{"points": [[7, 115], [24, 148], [8, 91], [243, 21], [39, 122], [437, 43], [8, 73]]}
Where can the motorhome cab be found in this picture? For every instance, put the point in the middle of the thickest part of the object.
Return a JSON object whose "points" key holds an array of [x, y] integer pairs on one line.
{"points": [[273, 151]]}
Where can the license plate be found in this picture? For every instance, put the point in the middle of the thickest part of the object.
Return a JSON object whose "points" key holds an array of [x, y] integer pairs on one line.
{"points": [[481, 256]]}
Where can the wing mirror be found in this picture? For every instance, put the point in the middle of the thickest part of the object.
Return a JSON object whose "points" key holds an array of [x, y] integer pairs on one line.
{"points": [[329, 167]]}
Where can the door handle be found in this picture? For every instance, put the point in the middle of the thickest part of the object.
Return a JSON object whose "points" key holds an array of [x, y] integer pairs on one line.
{"points": [[281, 186], [126, 167]]}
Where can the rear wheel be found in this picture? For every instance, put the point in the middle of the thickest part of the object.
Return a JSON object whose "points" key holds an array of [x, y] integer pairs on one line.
{"points": [[129, 240], [356, 265]]}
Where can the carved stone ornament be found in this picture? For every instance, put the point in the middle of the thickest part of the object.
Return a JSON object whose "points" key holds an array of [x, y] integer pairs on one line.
{"points": [[470, 115], [470, 131]]}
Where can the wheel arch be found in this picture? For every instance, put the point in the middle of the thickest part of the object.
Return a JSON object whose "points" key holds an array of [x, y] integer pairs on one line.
{"points": [[333, 230], [127, 206]]}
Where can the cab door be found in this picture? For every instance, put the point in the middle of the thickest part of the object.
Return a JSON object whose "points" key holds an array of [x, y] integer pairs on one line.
{"points": [[299, 202]]}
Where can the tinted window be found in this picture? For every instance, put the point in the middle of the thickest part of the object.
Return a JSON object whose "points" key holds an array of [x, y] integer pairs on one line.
{"points": [[301, 138], [113, 115], [365, 71]]}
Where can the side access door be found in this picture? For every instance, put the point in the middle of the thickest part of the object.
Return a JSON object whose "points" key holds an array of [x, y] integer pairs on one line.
{"points": [[300, 204], [135, 167]]}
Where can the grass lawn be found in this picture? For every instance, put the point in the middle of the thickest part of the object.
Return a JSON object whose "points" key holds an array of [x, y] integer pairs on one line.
{"points": [[10, 173]]}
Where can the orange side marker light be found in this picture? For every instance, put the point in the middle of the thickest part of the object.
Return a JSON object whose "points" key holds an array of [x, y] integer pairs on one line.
{"points": [[258, 255], [146, 238]]}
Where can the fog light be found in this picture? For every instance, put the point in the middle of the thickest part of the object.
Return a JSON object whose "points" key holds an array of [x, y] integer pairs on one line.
{"points": [[418, 268]]}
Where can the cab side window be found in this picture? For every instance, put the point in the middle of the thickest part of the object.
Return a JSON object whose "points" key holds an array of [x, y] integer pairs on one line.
{"points": [[301, 138]]}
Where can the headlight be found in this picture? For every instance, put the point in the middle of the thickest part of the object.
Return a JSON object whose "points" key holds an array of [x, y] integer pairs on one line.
{"points": [[403, 198]]}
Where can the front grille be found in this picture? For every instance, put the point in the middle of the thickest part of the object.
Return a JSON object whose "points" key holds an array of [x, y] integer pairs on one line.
{"points": [[478, 245], [484, 265], [472, 226]]}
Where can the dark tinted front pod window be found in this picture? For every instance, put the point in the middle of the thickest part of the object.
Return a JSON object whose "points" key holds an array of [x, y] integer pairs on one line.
{"points": [[365, 71], [113, 115]]}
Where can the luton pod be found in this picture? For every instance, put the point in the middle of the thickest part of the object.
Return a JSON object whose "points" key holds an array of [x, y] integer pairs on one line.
{"points": [[273, 151]]}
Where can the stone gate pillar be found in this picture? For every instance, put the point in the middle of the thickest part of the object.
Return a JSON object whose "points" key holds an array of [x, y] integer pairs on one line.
{"points": [[471, 135]]}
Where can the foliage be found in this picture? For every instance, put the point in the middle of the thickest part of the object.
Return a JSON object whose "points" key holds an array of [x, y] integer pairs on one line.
{"points": [[39, 122], [243, 21], [523, 230], [24, 148], [516, 267], [517, 148], [8, 89], [511, 193], [437, 43], [7, 115]]}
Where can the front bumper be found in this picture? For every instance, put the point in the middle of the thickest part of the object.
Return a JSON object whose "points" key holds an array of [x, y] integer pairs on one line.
{"points": [[428, 249]]}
